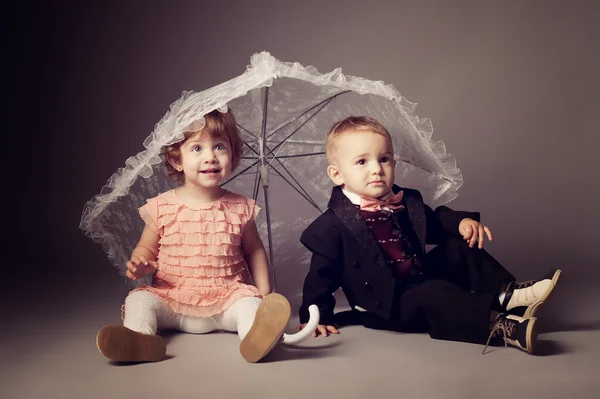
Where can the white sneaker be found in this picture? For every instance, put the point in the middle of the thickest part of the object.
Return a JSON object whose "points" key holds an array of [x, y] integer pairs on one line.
{"points": [[524, 298]]}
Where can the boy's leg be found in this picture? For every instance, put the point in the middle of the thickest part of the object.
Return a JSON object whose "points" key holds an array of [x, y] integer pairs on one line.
{"points": [[135, 340], [524, 298], [450, 313], [445, 311], [474, 269]]}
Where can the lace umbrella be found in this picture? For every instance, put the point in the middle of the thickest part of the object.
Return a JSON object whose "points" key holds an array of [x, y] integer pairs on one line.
{"points": [[283, 111]]}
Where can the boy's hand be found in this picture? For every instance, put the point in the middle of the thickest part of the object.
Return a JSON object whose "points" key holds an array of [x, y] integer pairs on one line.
{"points": [[138, 267], [473, 231], [322, 329]]}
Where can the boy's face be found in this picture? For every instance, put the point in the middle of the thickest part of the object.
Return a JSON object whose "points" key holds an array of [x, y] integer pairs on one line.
{"points": [[363, 162]]}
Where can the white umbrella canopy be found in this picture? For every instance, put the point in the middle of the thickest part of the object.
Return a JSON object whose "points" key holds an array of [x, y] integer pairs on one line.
{"points": [[283, 111]]}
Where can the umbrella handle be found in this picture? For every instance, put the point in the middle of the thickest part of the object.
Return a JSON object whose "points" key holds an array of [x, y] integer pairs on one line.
{"points": [[313, 322]]}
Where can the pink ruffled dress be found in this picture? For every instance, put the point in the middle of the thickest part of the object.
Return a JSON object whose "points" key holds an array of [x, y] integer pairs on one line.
{"points": [[201, 266]]}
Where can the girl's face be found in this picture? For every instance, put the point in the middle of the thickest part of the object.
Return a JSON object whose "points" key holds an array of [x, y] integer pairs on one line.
{"points": [[205, 160]]}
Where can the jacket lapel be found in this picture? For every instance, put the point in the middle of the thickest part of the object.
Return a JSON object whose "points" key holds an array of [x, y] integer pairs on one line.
{"points": [[416, 214], [354, 222]]}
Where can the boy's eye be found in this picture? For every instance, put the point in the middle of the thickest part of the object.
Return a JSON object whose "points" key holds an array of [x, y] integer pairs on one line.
{"points": [[361, 161], [385, 159]]}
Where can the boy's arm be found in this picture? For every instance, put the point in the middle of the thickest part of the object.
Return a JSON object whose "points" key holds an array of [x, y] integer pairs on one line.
{"points": [[324, 276], [444, 221]]}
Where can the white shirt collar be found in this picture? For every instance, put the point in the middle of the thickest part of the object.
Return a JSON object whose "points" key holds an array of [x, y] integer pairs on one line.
{"points": [[354, 198]]}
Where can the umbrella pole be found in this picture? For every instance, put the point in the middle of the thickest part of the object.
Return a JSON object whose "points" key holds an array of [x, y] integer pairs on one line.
{"points": [[264, 179], [269, 235]]}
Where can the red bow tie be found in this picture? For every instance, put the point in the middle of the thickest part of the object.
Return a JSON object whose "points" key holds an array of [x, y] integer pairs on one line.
{"points": [[393, 202]]}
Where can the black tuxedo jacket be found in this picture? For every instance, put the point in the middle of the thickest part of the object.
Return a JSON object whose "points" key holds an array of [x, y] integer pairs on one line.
{"points": [[346, 255]]}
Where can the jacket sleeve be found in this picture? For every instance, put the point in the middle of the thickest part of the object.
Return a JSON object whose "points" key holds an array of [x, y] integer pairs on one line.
{"points": [[443, 222], [325, 274]]}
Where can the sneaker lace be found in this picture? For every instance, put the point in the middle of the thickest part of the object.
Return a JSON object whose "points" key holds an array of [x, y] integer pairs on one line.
{"points": [[524, 284], [523, 287], [504, 326]]}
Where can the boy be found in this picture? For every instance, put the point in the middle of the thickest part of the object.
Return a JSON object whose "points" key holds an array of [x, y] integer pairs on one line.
{"points": [[371, 243]]}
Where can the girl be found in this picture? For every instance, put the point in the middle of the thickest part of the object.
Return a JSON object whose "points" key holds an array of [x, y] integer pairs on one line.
{"points": [[203, 246]]}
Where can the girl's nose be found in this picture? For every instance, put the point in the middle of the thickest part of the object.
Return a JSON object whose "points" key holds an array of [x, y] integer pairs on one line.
{"points": [[210, 157]]}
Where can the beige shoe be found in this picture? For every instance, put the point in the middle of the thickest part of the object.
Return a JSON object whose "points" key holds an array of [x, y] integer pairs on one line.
{"points": [[272, 317], [516, 331], [525, 297], [121, 344]]}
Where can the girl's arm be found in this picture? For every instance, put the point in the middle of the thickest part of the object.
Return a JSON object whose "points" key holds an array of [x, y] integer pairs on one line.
{"points": [[256, 256], [147, 246], [143, 257]]}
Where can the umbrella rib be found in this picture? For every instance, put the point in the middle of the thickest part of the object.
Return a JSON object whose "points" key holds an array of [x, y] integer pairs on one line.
{"points": [[426, 170], [303, 193], [304, 123], [305, 196], [305, 142], [299, 155], [246, 130], [249, 147], [327, 100], [239, 173]]}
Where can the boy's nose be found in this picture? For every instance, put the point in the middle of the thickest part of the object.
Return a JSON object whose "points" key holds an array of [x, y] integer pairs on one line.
{"points": [[377, 169]]}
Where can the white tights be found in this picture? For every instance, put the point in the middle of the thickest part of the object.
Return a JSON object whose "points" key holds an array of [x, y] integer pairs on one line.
{"points": [[146, 312]]}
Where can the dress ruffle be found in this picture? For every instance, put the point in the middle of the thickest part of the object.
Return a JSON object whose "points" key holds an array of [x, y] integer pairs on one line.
{"points": [[201, 265], [202, 302]]}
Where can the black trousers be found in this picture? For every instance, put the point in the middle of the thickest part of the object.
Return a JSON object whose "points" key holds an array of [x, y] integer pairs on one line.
{"points": [[456, 297]]}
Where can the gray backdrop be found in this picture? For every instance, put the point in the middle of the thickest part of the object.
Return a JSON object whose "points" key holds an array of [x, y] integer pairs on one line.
{"points": [[511, 88]]}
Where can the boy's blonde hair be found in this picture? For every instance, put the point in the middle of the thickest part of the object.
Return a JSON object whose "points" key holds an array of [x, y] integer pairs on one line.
{"points": [[360, 123], [216, 124]]}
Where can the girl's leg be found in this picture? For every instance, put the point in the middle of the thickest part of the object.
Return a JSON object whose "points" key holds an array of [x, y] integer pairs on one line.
{"points": [[136, 339], [267, 324], [272, 313], [198, 325], [146, 312], [240, 316], [141, 310]]}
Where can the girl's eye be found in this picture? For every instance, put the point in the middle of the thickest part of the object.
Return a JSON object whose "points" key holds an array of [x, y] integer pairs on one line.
{"points": [[196, 148], [219, 147], [361, 162]]}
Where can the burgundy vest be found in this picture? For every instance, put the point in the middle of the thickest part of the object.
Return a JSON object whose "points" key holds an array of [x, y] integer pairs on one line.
{"points": [[394, 246]]}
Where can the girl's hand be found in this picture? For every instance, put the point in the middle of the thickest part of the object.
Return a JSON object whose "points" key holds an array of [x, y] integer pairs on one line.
{"points": [[139, 266], [473, 231]]}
